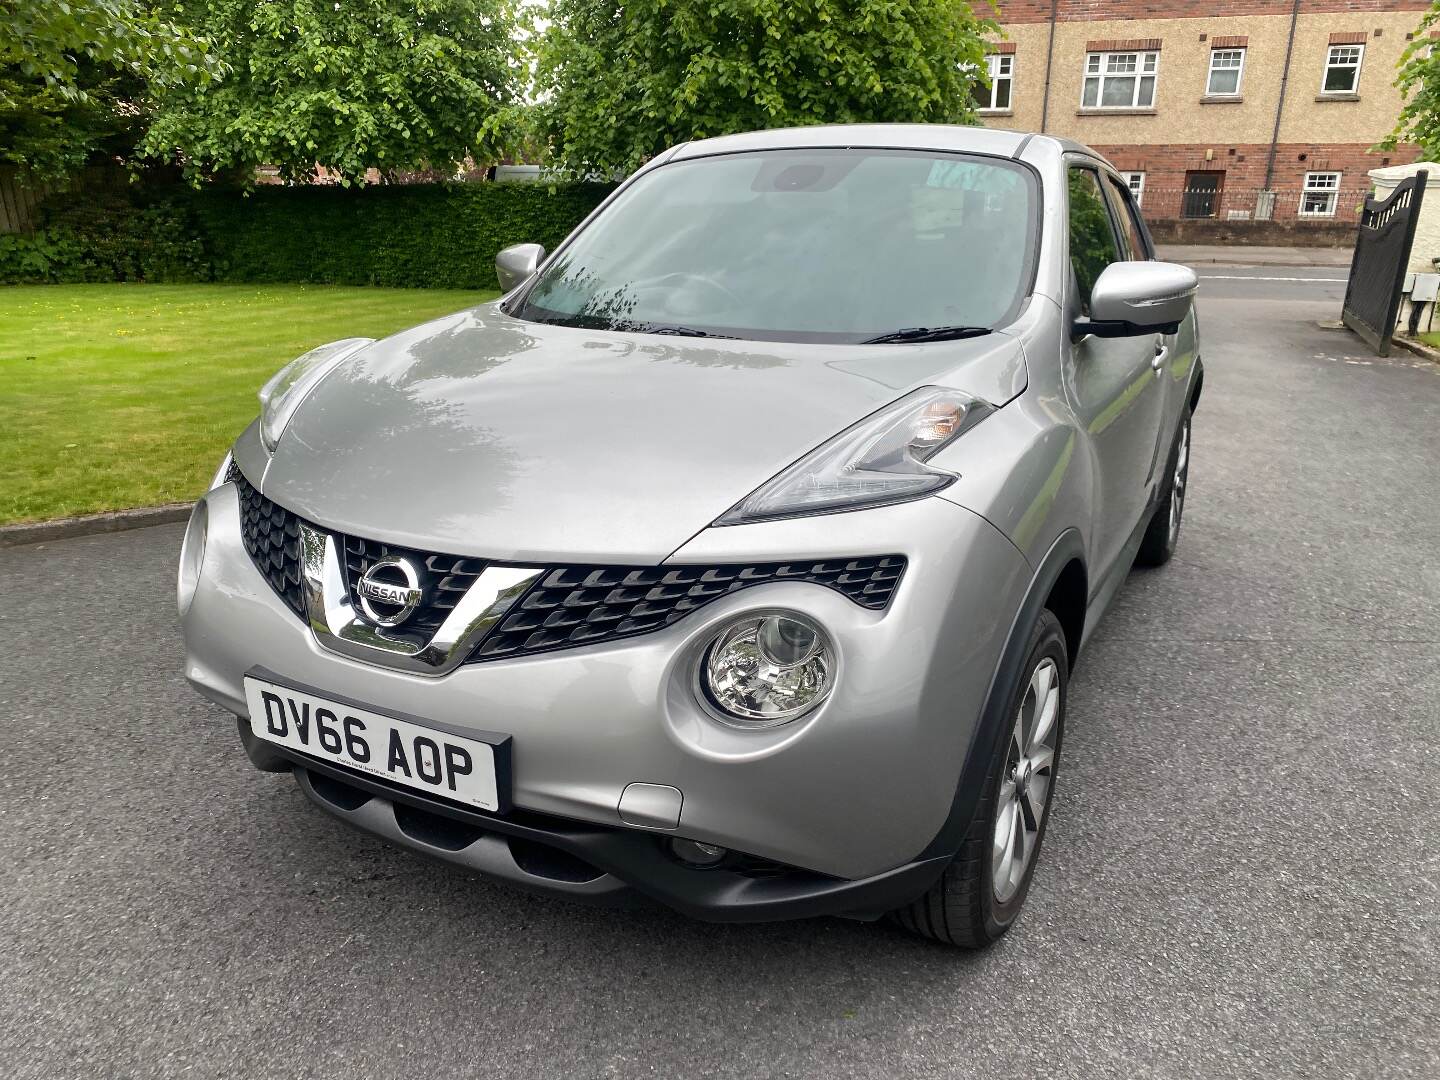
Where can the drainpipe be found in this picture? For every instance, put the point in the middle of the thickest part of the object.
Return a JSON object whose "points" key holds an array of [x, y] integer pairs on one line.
{"points": [[1050, 59], [1280, 106]]}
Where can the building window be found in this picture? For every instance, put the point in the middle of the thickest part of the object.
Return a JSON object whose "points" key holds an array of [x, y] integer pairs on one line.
{"points": [[1342, 69], [1226, 67], [1120, 80], [1135, 181], [1322, 189], [996, 96]]}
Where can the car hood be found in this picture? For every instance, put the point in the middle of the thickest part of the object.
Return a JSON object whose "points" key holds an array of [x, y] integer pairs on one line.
{"points": [[480, 434]]}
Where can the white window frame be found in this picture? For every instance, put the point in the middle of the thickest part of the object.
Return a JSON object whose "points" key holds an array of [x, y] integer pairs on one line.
{"points": [[1326, 184], [1331, 65], [1001, 67], [1102, 67], [1239, 69], [1135, 181]]}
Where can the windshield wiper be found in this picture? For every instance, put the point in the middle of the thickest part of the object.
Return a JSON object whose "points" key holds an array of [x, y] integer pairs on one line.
{"points": [[677, 331], [927, 333]]}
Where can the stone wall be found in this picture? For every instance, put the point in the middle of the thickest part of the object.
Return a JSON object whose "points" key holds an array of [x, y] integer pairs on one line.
{"points": [[1333, 234]]}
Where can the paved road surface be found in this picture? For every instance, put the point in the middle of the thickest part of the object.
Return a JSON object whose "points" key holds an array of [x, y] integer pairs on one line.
{"points": [[1288, 287], [1253, 255], [1240, 879]]}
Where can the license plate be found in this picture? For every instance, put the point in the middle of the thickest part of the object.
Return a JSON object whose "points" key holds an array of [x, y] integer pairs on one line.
{"points": [[412, 753]]}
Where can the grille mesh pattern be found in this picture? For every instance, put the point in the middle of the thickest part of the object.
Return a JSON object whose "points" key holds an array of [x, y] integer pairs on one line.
{"points": [[569, 605], [579, 605], [271, 535], [445, 578]]}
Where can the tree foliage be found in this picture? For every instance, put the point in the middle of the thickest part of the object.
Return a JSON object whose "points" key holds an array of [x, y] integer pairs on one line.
{"points": [[1419, 82], [387, 84], [619, 82], [76, 75]]}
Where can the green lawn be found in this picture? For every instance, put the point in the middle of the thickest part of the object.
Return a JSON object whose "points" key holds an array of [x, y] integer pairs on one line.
{"points": [[128, 395]]}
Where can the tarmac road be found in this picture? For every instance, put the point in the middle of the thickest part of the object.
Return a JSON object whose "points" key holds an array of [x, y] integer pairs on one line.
{"points": [[1287, 286], [1240, 878]]}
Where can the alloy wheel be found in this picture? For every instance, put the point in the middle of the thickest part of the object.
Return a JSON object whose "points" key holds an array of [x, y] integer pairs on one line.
{"points": [[1177, 481], [1028, 779]]}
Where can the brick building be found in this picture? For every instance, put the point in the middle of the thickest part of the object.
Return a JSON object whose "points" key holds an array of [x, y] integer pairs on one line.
{"points": [[1220, 109]]}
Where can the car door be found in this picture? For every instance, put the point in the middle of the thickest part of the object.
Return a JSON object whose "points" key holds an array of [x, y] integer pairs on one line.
{"points": [[1135, 245], [1113, 380]]}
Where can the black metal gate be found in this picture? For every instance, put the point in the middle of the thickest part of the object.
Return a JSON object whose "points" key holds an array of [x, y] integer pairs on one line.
{"points": [[1377, 269]]}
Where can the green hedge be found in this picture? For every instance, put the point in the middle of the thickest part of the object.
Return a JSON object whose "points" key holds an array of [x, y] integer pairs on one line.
{"points": [[107, 237], [414, 235], [432, 235]]}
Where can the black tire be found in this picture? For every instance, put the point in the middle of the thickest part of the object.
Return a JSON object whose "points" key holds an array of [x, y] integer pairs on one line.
{"points": [[1162, 535], [963, 907]]}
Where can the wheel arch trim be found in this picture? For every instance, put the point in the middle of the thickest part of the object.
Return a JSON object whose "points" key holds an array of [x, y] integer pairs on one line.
{"points": [[1067, 548]]}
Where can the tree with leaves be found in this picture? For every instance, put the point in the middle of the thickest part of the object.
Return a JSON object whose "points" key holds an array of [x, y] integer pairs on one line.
{"points": [[384, 84], [76, 78], [1419, 82], [619, 82]]}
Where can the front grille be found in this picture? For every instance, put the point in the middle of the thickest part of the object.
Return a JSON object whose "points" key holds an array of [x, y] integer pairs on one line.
{"points": [[568, 606], [445, 578], [580, 605], [271, 535]]}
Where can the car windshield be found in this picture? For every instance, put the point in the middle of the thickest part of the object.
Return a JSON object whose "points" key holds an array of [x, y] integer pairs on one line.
{"points": [[802, 245]]}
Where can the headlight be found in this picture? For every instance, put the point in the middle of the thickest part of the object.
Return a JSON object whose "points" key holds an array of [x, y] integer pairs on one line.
{"points": [[766, 669], [192, 555], [288, 387], [880, 460]]}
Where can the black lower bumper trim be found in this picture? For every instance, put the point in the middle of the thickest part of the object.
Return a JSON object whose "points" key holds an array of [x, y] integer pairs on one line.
{"points": [[579, 861]]}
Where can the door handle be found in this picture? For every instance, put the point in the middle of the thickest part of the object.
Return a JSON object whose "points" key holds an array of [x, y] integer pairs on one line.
{"points": [[1162, 353]]}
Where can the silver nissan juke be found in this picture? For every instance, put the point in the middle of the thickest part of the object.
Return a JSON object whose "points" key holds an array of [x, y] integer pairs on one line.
{"points": [[736, 559]]}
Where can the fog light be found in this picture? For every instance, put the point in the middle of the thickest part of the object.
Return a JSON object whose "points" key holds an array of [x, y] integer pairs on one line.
{"points": [[192, 556], [765, 670], [696, 853]]}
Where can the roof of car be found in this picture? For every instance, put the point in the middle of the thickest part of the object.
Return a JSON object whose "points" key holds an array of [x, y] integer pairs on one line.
{"points": [[977, 140]]}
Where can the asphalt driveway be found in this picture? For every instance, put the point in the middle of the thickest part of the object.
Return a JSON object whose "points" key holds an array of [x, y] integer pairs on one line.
{"points": [[1240, 879]]}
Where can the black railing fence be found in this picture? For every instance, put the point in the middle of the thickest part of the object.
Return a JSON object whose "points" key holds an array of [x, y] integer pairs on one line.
{"points": [[1252, 204]]}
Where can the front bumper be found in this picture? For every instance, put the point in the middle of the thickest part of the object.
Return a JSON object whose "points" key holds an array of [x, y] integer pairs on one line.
{"points": [[611, 867], [848, 795]]}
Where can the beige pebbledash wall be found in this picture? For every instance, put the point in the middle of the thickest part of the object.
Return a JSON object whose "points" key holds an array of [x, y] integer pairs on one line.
{"points": [[1179, 115], [1024, 115], [1371, 117]]}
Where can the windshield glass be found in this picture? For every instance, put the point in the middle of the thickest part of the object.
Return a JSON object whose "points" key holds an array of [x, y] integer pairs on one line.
{"points": [[801, 245]]}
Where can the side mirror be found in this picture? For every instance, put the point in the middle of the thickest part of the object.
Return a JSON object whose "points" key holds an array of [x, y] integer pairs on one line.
{"points": [[1134, 298], [516, 263]]}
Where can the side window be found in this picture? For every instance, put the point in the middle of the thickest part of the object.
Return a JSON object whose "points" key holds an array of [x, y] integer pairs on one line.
{"points": [[1092, 240], [1132, 240]]}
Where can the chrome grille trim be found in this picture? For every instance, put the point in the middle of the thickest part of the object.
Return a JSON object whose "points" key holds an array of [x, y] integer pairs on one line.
{"points": [[561, 607]]}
